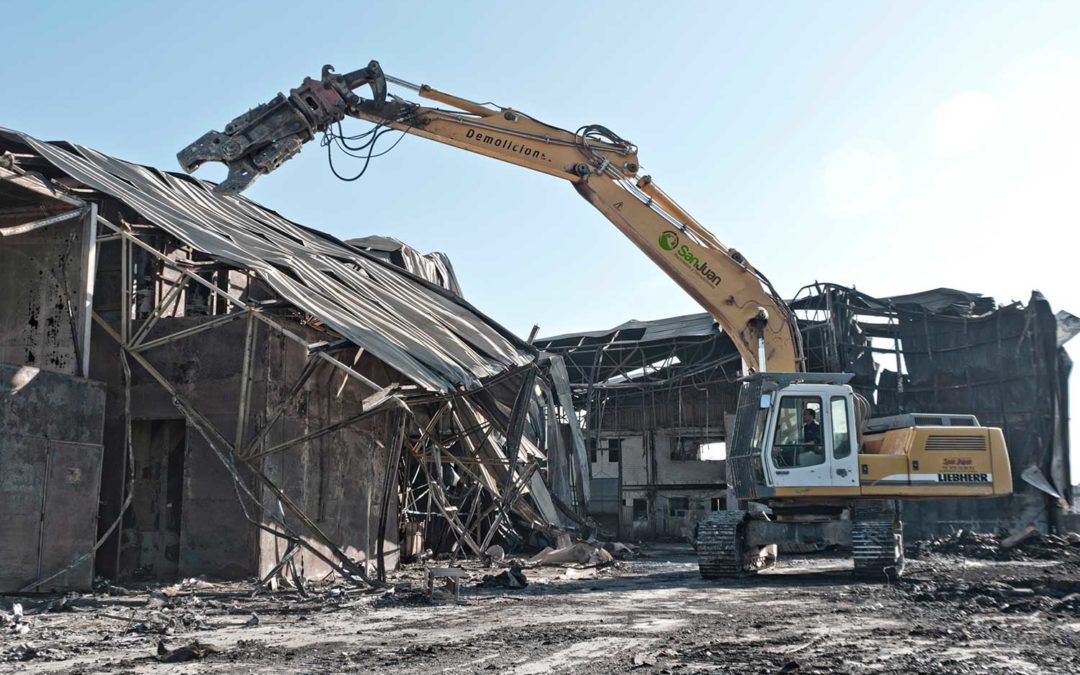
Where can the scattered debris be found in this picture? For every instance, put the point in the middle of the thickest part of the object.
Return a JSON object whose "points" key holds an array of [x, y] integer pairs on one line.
{"points": [[61, 604], [578, 573], [1019, 537], [157, 600], [621, 551], [1027, 544], [189, 652], [495, 553], [103, 585], [14, 622], [581, 553], [513, 577]]}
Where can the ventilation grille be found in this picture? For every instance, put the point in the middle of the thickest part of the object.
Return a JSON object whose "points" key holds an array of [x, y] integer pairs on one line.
{"points": [[939, 442]]}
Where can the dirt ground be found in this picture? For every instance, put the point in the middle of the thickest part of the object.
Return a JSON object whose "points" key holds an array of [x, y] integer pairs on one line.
{"points": [[652, 615]]}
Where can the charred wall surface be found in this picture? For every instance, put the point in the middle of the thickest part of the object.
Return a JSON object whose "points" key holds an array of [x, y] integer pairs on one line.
{"points": [[50, 464], [51, 420], [40, 274]]}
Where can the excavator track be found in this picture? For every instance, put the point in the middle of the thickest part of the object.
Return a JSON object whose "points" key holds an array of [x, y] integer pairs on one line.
{"points": [[720, 545], [877, 543]]}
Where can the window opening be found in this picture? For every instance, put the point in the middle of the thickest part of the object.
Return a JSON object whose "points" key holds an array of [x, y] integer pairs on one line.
{"points": [[678, 505], [841, 427], [797, 442], [614, 449]]}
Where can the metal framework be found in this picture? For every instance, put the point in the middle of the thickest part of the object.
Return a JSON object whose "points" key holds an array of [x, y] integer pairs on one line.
{"points": [[454, 462], [489, 506]]}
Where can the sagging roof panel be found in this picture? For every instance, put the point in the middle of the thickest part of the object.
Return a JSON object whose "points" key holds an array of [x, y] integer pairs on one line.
{"points": [[434, 267], [687, 326], [428, 334], [946, 301]]}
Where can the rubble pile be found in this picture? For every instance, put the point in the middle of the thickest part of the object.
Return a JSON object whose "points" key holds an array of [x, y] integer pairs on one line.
{"points": [[13, 622], [18, 633], [1023, 595], [1029, 544]]}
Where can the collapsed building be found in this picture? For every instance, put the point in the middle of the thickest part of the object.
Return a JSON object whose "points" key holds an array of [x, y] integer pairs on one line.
{"points": [[657, 399], [192, 384]]}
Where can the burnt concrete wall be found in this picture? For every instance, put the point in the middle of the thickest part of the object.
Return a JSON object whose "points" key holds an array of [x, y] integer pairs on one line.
{"points": [[39, 278], [50, 468], [668, 514], [215, 537], [672, 494], [336, 479]]}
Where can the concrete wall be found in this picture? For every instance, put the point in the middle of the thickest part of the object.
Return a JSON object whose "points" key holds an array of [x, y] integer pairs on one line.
{"points": [[50, 468], [670, 514], [660, 483], [39, 276], [336, 479]]}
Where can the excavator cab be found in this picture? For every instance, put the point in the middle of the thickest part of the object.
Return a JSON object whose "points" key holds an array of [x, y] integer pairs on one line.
{"points": [[811, 444], [792, 431]]}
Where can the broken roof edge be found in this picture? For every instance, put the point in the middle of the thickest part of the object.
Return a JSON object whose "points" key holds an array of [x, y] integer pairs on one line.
{"points": [[937, 301], [434, 266], [654, 330], [428, 334]]}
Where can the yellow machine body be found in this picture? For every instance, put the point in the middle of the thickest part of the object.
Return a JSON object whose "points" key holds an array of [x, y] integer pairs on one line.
{"points": [[935, 462]]}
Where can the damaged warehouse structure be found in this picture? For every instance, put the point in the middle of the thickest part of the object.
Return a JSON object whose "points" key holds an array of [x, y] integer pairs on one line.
{"points": [[658, 399], [246, 396], [654, 395]]}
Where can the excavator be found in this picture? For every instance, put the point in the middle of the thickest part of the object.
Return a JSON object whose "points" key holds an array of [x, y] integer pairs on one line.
{"points": [[806, 463]]}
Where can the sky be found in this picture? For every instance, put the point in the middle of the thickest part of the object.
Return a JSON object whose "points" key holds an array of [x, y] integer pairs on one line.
{"points": [[894, 146]]}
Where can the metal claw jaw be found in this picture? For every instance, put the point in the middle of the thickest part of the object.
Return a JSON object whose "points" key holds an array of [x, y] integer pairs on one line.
{"points": [[253, 144], [263, 138]]}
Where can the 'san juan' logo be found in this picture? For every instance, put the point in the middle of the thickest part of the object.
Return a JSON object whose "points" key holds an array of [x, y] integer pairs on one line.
{"points": [[669, 240]]}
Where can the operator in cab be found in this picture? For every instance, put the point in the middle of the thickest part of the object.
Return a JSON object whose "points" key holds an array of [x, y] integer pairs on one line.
{"points": [[811, 430]]}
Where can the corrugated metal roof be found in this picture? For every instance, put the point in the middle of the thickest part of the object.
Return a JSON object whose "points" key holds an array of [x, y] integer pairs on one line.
{"points": [[437, 340], [689, 325], [434, 267]]}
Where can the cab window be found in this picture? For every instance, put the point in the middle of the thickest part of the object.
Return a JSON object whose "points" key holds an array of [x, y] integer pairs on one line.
{"points": [[797, 441], [841, 427]]}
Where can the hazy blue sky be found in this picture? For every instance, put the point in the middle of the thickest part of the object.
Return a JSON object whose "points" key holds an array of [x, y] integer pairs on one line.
{"points": [[898, 147]]}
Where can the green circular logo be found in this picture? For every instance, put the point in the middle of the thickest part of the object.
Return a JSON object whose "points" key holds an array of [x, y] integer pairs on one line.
{"points": [[669, 240]]}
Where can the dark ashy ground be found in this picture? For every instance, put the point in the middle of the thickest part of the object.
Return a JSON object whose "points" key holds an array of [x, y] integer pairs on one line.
{"points": [[651, 615]]}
